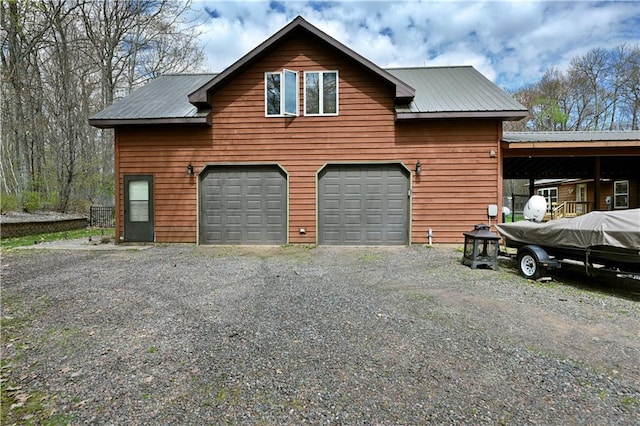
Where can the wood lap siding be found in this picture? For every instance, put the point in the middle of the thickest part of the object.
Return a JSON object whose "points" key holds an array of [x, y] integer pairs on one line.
{"points": [[458, 181], [459, 178], [165, 152]]}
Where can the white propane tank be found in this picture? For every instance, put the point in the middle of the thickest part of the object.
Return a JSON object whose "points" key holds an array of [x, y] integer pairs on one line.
{"points": [[535, 208]]}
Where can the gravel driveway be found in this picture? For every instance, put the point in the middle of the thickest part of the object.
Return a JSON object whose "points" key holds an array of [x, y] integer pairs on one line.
{"points": [[289, 335]]}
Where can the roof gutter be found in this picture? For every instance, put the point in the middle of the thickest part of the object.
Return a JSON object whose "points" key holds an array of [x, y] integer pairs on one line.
{"points": [[503, 115], [108, 123]]}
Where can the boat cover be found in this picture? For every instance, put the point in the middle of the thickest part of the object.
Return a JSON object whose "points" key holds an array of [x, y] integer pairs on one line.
{"points": [[611, 228]]}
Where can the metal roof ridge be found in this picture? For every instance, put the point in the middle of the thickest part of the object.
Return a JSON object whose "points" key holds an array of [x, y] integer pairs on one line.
{"points": [[569, 131], [177, 74], [427, 67]]}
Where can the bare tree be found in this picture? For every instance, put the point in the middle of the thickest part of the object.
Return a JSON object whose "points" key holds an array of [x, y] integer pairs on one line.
{"points": [[599, 91], [63, 60]]}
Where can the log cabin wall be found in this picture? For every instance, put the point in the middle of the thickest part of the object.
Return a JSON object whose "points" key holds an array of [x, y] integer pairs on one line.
{"points": [[460, 175]]}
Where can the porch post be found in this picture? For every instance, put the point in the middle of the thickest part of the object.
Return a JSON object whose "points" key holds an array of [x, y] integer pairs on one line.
{"points": [[532, 189], [596, 184]]}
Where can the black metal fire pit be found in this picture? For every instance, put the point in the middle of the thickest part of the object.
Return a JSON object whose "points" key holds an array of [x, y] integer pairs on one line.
{"points": [[481, 247]]}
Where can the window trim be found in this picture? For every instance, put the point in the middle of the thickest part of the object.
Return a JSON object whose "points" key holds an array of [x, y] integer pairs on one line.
{"points": [[283, 94], [546, 193], [321, 112], [616, 194]]}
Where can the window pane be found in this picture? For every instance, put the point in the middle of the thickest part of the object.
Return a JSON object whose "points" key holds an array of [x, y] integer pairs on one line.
{"points": [[138, 190], [329, 93], [138, 211], [139, 201], [273, 94], [621, 201], [312, 93], [622, 187], [290, 92]]}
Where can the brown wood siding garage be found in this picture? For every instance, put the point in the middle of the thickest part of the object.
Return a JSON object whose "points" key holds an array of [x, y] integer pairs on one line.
{"points": [[243, 205], [363, 204], [459, 175]]}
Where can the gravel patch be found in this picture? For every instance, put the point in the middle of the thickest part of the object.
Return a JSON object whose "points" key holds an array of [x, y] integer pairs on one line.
{"points": [[291, 335]]}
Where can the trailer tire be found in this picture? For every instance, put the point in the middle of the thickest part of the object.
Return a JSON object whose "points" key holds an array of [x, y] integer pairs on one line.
{"points": [[529, 266]]}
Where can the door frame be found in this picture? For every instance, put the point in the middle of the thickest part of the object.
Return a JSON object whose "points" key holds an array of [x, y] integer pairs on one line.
{"points": [[127, 227]]}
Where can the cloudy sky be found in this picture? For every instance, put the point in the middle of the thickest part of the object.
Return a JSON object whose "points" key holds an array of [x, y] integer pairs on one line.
{"points": [[510, 42]]}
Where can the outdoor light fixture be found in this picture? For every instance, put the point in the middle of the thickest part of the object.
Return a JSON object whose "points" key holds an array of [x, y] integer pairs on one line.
{"points": [[190, 169], [418, 167]]}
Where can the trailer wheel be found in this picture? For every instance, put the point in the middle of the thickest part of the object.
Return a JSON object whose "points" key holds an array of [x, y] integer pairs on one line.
{"points": [[528, 266]]}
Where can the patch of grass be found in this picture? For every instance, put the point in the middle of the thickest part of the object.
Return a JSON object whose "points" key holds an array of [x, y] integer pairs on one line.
{"points": [[418, 296], [27, 240], [228, 396], [630, 402], [370, 257], [298, 246], [19, 404], [64, 338], [27, 407], [152, 350]]}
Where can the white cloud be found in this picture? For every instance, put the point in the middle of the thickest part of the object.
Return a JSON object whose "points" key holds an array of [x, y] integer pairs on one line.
{"points": [[510, 42]]}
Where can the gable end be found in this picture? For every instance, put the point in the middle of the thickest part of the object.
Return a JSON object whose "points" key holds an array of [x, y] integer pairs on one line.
{"points": [[200, 98]]}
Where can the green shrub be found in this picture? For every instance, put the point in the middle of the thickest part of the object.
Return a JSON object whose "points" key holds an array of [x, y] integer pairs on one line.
{"points": [[78, 206], [8, 203], [50, 202], [30, 201]]}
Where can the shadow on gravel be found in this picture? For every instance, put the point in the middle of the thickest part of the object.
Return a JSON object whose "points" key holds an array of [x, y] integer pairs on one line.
{"points": [[575, 277]]}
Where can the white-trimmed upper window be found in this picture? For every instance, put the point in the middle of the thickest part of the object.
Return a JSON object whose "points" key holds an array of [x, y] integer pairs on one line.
{"points": [[621, 194], [321, 93], [281, 93]]}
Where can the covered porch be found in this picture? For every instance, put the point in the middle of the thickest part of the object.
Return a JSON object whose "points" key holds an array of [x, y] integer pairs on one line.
{"points": [[577, 172]]}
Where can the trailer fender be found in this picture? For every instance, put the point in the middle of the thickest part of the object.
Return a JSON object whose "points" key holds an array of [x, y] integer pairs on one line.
{"points": [[533, 261]]}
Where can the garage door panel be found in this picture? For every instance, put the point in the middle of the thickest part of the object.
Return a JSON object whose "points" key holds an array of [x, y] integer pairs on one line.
{"points": [[352, 219], [274, 205], [332, 205], [396, 219], [254, 205], [274, 189], [353, 237], [243, 205], [363, 205], [374, 219], [254, 189], [233, 190], [395, 205], [274, 220], [353, 205], [332, 219]]}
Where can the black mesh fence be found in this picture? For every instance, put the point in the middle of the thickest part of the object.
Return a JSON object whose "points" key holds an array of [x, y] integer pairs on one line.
{"points": [[102, 217]]}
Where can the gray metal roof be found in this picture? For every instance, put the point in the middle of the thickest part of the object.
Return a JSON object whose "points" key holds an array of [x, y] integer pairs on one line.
{"points": [[163, 98], [457, 91], [571, 136], [449, 92]]}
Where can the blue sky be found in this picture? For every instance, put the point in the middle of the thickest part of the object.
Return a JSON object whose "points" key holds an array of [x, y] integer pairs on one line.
{"points": [[511, 42]]}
